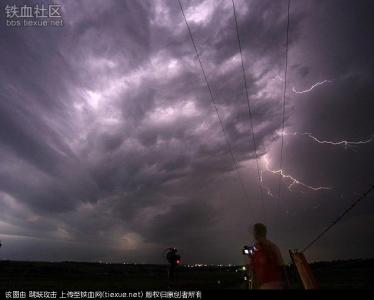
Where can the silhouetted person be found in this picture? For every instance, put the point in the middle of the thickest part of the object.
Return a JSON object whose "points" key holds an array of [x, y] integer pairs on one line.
{"points": [[174, 260], [266, 261]]}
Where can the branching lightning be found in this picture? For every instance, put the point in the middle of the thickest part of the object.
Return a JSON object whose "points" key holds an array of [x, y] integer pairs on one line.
{"points": [[345, 143], [268, 191], [293, 181], [312, 87]]}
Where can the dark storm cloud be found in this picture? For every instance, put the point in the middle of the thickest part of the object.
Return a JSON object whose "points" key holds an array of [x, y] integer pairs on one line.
{"points": [[111, 150]]}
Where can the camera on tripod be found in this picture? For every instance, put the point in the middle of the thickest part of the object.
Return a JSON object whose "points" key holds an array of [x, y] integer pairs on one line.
{"points": [[173, 257]]}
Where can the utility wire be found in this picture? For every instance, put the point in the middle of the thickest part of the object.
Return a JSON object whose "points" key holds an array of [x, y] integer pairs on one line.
{"points": [[248, 104], [284, 105], [236, 165], [339, 218]]}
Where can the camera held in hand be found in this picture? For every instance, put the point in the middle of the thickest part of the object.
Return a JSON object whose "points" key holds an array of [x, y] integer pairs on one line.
{"points": [[248, 250]]}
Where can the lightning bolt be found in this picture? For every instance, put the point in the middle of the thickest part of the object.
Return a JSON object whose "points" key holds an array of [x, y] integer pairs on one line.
{"points": [[312, 87], [293, 181], [268, 191], [346, 143]]}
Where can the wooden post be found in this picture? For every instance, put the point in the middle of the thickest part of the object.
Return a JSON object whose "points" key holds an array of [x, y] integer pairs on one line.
{"points": [[303, 269]]}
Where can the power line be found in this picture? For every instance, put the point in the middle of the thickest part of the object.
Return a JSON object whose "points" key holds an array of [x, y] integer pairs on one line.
{"points": [[248, 103], [339, 218], [284, 104], [236, 165]]}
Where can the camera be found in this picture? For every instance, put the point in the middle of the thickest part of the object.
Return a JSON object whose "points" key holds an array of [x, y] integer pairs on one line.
{"points": [[173, 257], [248, 250]]}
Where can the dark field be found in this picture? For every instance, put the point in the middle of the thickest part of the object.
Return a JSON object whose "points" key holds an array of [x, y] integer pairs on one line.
{"points": [[354, 274]]}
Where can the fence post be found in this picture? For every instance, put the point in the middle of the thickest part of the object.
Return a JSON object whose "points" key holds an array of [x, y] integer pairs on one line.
{"points": [[304, 270]]}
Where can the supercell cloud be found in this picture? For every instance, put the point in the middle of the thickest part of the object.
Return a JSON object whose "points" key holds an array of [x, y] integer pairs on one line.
{"points": [[110, 148]]}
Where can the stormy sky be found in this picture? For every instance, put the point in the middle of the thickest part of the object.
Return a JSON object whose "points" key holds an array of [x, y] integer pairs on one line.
{"points": [[111, 150]]}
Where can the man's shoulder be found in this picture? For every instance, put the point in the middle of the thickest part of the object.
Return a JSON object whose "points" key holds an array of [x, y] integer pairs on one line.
{"points": [[275, 249], [270, 243]]}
